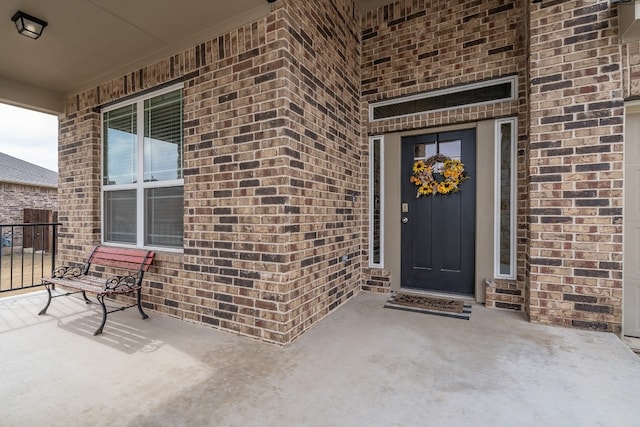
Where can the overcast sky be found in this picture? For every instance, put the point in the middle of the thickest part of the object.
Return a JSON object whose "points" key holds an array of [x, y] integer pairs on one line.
{"points": [[29, 136]]}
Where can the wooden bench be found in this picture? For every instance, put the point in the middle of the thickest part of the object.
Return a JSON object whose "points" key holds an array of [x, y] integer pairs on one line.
{"points": [[133, 262]]}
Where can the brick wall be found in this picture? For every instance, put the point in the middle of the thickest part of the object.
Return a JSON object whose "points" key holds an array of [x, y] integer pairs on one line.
{"points": [[326, 169], [272, 173], [410, 47], [505, 294], [276, 155], [576, 165], [16, 197], [236, 196], [78, 182]]}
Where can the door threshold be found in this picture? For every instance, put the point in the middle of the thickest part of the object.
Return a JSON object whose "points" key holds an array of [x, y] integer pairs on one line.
{"points": [[468, 298]]}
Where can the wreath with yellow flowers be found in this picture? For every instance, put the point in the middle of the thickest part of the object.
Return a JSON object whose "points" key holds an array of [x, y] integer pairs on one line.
{"points": [[424, 176]]}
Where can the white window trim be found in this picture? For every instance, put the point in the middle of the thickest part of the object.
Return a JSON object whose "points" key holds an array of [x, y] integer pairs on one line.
{"points": [[143, 97], [513, 201], [446, 91], [371, 202], [139, 100]]}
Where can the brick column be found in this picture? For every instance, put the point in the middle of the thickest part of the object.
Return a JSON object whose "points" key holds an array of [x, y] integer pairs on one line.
{"points": [[78, 182], [575, 166]]}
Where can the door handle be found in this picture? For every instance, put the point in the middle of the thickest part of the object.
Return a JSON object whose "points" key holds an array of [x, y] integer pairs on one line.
{"points": [[405, 220]]}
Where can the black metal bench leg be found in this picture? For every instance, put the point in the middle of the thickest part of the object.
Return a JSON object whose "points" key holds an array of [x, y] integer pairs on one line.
{"points": [[142, 313], [44, 310], [87, 300], [104, 315]]}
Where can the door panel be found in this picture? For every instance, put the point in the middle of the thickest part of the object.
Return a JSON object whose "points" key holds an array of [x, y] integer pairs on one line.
{"points": [[438, 238], [452, 223]]}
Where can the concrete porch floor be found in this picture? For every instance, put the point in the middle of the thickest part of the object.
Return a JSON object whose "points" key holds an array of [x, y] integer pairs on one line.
{"points": [[361, 366]]}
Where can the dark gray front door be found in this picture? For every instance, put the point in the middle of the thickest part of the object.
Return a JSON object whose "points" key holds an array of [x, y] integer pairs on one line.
{"points": [[438, 237]]}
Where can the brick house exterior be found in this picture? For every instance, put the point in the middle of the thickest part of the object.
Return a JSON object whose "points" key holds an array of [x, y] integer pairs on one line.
{"points": [[24, 185], [276, 155]]}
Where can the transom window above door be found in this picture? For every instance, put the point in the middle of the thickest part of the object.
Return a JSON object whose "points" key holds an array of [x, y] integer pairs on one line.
{"points": [[478, 93]]}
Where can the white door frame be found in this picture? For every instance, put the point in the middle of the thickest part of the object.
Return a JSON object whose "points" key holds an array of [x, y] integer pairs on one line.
{"points": [[631, 223]]}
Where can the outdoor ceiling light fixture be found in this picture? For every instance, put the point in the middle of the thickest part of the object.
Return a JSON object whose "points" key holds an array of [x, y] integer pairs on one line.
{"points": [[28, 25]]}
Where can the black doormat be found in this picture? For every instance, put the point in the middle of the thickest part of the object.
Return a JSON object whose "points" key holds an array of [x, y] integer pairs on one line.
{"points": [[448, 307]]}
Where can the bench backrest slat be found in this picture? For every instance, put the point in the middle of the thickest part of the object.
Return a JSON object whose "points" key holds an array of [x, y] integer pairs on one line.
{"points": [[128, 259]]}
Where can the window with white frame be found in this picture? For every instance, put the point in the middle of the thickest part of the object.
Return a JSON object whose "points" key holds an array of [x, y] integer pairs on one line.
{"points": [[505, 199], [142, 181], [376, 202]]}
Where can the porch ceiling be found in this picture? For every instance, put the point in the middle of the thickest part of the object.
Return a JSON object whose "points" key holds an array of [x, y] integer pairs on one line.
{"points": [[90, 41]]}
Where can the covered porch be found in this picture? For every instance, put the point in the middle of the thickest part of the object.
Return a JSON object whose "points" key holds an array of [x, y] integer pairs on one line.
{"points": [[386, 368], [270, 226]]}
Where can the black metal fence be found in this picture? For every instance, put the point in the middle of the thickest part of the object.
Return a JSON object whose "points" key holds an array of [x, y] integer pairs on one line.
{"points": [[27, 253]]}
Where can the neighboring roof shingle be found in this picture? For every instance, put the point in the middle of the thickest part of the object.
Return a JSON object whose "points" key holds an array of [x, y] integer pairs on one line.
{"points": [[18, 171]]}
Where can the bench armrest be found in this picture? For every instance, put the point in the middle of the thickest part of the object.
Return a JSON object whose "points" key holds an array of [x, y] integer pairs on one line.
{"points": [[69, 271], [122, 283]]}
